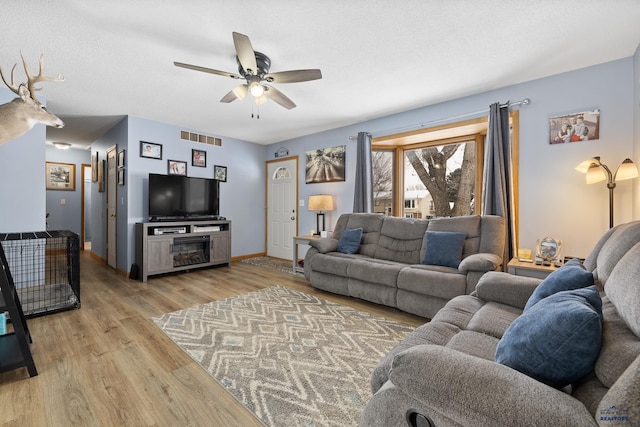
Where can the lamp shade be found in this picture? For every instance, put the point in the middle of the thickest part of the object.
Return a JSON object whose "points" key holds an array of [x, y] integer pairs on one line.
{"points": [[626, 170], [584, 166], [595, 174], [321, 203]]}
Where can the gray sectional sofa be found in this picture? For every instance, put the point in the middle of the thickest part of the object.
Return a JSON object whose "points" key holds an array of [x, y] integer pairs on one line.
{"points": [[445, 372], [389, 266]]}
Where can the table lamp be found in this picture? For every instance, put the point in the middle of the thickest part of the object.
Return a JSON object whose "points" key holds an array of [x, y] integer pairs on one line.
{"points": [[320, 203]]}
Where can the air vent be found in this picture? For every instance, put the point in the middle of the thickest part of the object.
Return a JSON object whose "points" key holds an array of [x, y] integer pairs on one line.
{"points": [[198, 137]]}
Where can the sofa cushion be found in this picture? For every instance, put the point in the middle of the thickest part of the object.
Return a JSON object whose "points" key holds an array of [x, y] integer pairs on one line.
{"points": [[349, 242], [370, 224], [401, 239], [443, 248], [570, 276], [556, 341], [469, 225], [374, 271]]}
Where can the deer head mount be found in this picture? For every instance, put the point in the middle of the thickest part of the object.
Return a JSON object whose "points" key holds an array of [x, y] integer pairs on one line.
{"points": [[20, 115]]}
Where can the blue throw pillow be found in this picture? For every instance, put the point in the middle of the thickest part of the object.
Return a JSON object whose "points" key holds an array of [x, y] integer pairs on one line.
{"points": [[570, 276], [443, 248], [349, 242], [558, 340]]}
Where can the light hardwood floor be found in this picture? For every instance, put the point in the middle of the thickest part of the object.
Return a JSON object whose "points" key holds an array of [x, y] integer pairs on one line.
{"points": [[106, 364]]}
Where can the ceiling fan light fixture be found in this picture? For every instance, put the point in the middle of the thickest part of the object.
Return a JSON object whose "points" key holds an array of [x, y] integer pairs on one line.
{"points": [[256, 89]]}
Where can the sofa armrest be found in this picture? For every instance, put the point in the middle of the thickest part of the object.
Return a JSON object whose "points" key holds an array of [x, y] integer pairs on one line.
{"points": [[480, 262], [324, 244], [477, 391], [506, 288]]}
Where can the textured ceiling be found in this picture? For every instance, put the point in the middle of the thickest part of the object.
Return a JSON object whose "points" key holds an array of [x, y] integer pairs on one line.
{"points": [[377, 57]]}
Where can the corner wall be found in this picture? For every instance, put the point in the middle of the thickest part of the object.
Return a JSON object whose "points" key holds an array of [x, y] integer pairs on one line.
{"points": [[241, 197], [22, 174], [66, 216], [636, 131]]}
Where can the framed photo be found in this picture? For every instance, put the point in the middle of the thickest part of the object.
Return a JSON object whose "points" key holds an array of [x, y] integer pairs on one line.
{"points": [[548, 249], [150, 150], [121, 159], [101, 176], [325, 165], [220, 173], [176, 167], [575, 127], [61, 176], [120, 176], [199, 158], [94, 167]]}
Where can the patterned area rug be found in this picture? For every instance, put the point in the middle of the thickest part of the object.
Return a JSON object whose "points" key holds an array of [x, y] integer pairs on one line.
{"points": [[292, 359], [269, 262]]}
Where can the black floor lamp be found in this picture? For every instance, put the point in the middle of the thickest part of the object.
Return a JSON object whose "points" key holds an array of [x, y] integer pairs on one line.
{"points": [[320, 203], [597, 172]]}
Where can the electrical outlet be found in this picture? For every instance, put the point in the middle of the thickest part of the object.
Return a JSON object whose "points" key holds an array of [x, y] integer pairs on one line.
{"points": [[63, 201]]}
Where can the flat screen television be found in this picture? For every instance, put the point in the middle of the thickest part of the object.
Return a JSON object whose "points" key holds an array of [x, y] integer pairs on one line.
{"points": [[180, 197]]}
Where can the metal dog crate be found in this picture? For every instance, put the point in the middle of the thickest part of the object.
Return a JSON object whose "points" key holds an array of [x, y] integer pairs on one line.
{"points": [[45, 267]]}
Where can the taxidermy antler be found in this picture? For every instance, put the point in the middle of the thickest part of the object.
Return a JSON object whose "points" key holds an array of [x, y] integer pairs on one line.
{"points": [[20, 115]]}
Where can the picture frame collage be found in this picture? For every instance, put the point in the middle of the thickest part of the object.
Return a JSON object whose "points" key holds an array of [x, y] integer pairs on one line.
{"points": [[152, 150]]}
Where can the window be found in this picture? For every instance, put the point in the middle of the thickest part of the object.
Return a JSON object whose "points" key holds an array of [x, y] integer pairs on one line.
{"points": [[382, 166], [439, 180], [433, 171]]}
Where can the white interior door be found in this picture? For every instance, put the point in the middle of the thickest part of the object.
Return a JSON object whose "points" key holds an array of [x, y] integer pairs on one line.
{"points": [[111, 208], [282, 211]]}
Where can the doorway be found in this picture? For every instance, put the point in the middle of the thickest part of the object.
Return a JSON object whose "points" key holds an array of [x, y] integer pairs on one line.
{"points": [[112, 197], [282, 214], [85, 208]]}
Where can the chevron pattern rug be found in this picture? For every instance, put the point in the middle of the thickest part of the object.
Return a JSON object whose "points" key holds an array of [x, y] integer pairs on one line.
{"points": [[290, 358]]}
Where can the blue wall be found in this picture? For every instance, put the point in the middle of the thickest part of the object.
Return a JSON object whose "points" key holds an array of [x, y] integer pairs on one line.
{"points": [[67, 216], [116, 136], [22, 173], [554, 199], [241, 197]]}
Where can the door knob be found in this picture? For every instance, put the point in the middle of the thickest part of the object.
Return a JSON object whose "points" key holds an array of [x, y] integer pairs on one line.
{"points": [[293, 217]]}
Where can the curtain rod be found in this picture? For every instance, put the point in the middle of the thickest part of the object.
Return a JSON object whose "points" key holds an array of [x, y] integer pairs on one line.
{"points": [[525, 101]]}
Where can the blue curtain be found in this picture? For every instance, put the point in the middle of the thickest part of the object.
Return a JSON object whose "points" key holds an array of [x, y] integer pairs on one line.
{"points": [[497, 189], [363, 194]]}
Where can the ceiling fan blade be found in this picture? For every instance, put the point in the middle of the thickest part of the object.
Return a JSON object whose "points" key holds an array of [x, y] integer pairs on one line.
{"points": [[278, 97], [246, 55], [207, 70], [239, 92], [293, 76]]}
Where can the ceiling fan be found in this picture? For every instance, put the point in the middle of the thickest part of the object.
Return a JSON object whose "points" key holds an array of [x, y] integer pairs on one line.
{"points": [[254, 68]]}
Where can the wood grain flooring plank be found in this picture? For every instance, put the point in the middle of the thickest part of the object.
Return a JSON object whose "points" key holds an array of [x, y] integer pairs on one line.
{"points": [[107, 364]]}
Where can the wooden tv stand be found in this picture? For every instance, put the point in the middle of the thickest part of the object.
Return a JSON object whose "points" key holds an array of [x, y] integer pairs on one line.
{"points": [[165, 247]]}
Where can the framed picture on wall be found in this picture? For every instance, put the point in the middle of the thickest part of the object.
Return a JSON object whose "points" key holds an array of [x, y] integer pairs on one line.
{"points": [[150, 150], [94, 167], [61, 176], [120, 176], [176, 167], [199, 158], [121, 159], [220, 173], [101, 176], [575, 127], [325, 165]]}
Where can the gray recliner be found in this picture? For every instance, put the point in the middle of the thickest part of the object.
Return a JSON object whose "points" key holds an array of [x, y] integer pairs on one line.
{"points": [[445, 369]]}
